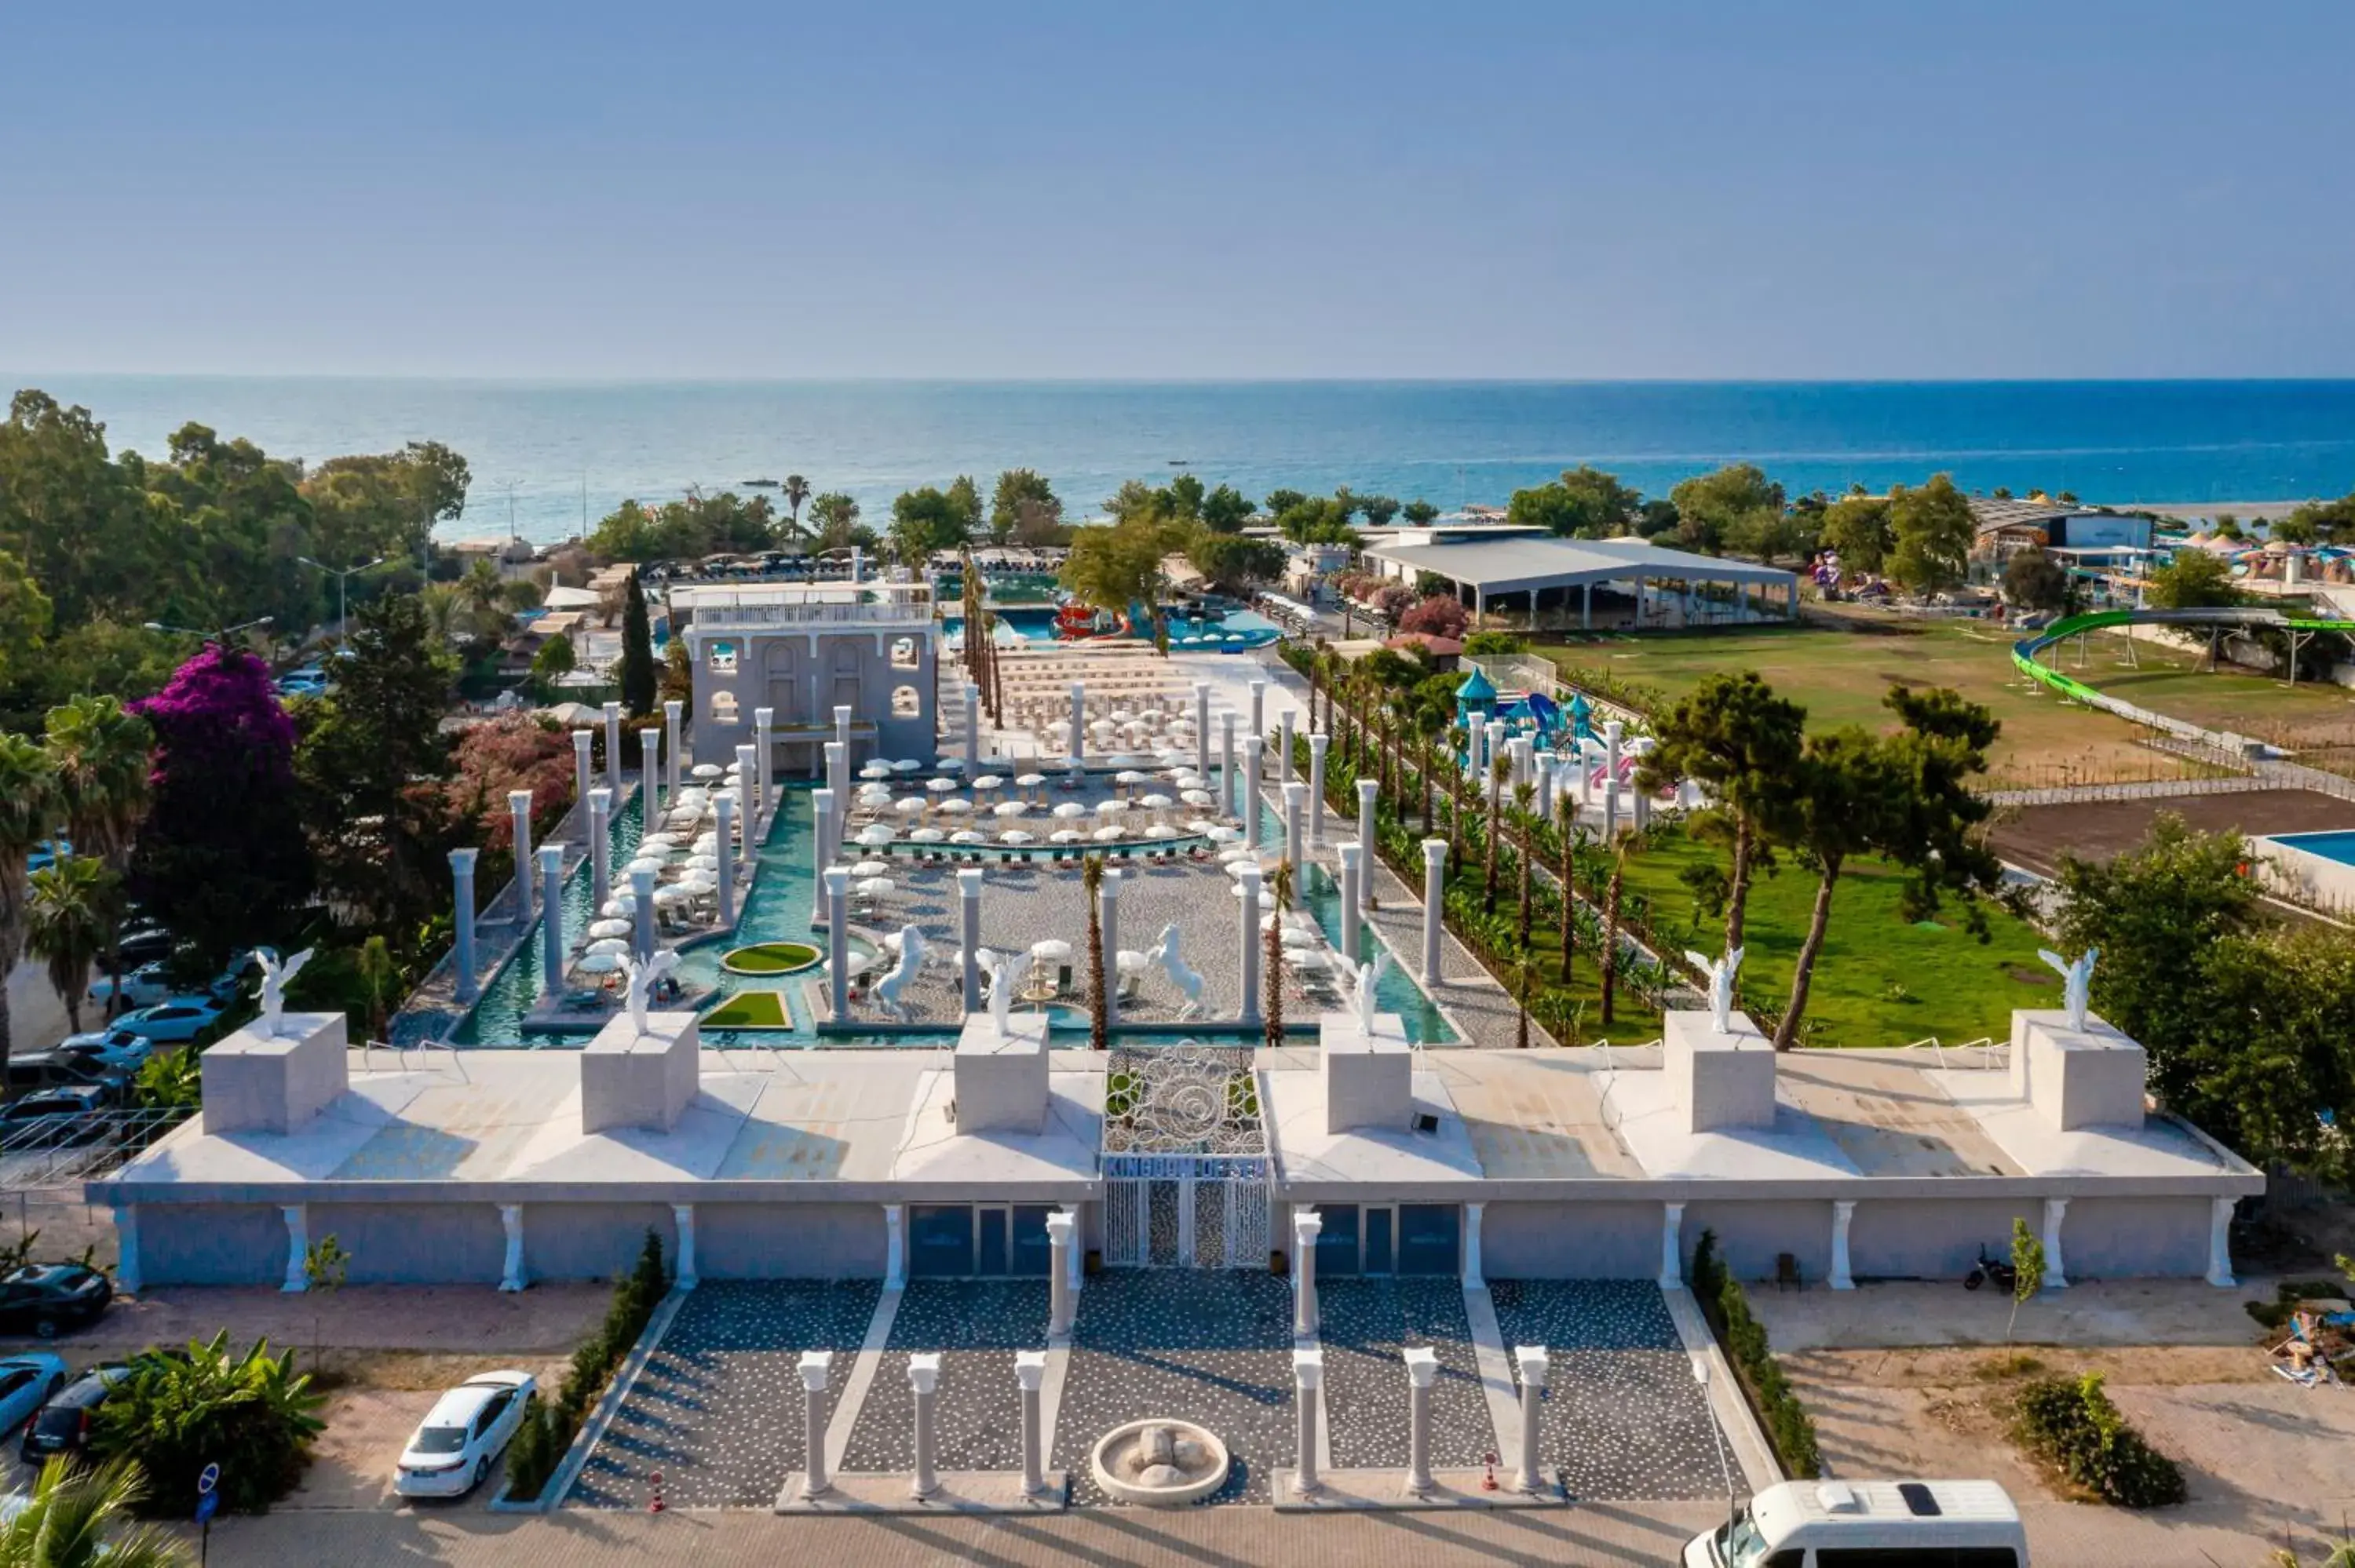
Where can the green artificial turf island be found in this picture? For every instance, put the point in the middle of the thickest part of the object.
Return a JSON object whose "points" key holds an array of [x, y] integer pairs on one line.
{"points": [[751, 1010], [770, 959]]}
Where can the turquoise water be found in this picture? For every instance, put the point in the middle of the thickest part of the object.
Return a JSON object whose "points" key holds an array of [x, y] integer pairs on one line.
{"points": [[2339, 846], [577, 450], [1254, 630], [497, 1017]]}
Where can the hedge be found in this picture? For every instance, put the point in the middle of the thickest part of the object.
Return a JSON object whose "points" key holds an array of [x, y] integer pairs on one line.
{"points": [[2071, 1423], [1726, 1306], [549, 1427]]}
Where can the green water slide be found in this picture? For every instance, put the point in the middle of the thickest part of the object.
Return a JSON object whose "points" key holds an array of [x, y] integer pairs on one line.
{"points": [[2025, 653]]}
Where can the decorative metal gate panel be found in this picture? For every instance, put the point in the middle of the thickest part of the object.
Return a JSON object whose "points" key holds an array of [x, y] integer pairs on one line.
{"points": [[1186, 1211]]}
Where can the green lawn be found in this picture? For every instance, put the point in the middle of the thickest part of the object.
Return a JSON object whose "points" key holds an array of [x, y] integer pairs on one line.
{"points": [[1880, 981], [770, 959], [751, 1010]]}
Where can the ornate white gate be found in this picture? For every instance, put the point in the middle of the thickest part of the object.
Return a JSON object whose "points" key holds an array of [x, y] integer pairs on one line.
{"points": [[1185, 1162]]}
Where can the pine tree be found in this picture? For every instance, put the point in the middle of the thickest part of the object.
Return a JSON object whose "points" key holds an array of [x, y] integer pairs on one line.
{"points": [[636, 671]]}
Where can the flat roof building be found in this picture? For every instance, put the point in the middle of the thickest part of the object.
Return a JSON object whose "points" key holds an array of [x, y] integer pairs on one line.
{"points": [[1667, 587]]}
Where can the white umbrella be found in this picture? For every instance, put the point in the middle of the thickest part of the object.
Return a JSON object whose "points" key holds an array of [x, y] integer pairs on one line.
{"points": [[872, 868], [1067, 836], [910, 807], [1129, 962], [608, 944], [958, 808], [878, 769], [705, 844], [1293, 937], [1156, 802], [1130, 776], [1217, 832], [874, 886], [1173, 757], [950, 765], [1054, 949], [698, 882], [1160, 830], [989, 781], [1030, 780], [1071, 810], [599, 963], [643, 863], [1199, 797], [620, 906], [673, 895], [962, 836], [703, 863], [695, 796], [907, 765], [857, 964], [1014, 836], [925, 836], [875, 837], [1109, 835], [1011, 807], [608, 927], [1235, 868], [1111, 807], [659, 841], [940, 785], [706, 771]]}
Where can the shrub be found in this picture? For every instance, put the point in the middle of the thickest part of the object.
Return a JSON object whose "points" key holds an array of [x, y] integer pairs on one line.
{"points": [[176, 1411], [2071, 1423], [549, 1427], [1726, 1306]]}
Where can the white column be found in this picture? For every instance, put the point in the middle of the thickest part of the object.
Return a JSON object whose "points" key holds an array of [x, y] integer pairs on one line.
{"points": [[895, 1246], [1296, 795], [1253, 775], [1062, 1235], [1079, 693], [815, 1367], [519, 829], [723, 803], [1108, 917], [1367, 790], [1672, 1250], [650, 801], [1258, 690], [838, 940], [1283, 724], [511, 1275], [552, 919], [973, 726], [1308, 1385], [298, 1249], [671, 714], [682, 1219], [1473, 1279], [1611, 732], [1227, 801], [126, 1249], [2055, 1277], [1434, 898], [822, 844], [462, 878], [925, 1381], [1352, 871], [581, 742], [1247, 897], [2220, 1242], [842, 740], [748, 768], [1077, 1277], [837, 780], [601, 848], [969, 935], [1422, 1371], [1030, 1372], [1843, 1210], [1544, 802], [613, 747], [1306, 1225], [1202, 729], [1533, 1365], [764, 730], [1318, 745], [642, 889], [1611, 808]]}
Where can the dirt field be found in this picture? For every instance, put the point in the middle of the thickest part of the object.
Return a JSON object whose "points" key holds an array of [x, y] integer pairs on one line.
{"points": [[378, 1399], [2034, 836]]}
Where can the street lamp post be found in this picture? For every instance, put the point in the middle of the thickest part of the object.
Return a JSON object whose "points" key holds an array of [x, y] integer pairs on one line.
{"points": [[343, 575], [219, 638]]}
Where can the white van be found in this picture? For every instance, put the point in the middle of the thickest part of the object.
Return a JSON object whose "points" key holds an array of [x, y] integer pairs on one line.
{"points": [[1868, 1524]]}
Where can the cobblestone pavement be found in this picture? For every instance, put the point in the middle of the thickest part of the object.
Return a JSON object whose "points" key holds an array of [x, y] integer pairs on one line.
{"points": [[718, 1410], [977, 1324], [1214, 1347], [1365, 1324], [1624, 1416]]}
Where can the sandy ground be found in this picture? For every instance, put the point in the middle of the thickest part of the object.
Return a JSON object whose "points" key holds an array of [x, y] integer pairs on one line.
{"points": [[378, 1402], [2035, 836], [36, 1016]]}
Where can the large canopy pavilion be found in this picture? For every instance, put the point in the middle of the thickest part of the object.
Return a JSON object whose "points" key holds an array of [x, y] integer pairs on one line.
{"points": [[1665, 588]]}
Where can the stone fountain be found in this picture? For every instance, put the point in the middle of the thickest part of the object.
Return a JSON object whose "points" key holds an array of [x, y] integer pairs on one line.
{"points": [[1160, 1462]]}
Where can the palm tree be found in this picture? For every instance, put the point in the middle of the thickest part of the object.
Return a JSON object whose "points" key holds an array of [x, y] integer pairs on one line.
{"points": [[1610, 928], [1521, 1025], [1091, 872], [71, 913], [795, 493], [27, 797], [377, 971], [1524, 821], [1280, 886], [1566, 812], [101, 754], [1499, 770], [71, 1514]]}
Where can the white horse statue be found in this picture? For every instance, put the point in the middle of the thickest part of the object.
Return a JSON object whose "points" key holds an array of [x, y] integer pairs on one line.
{"points": [[911, 958], [1720, 987], [638, 980], [1165, 953], [999, 968], [1361, 981], [274, 976], [2077, 979]]}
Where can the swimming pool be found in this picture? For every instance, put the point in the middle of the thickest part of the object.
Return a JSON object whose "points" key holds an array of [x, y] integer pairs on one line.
{"points": [[2338, 845], [1238, 630]]}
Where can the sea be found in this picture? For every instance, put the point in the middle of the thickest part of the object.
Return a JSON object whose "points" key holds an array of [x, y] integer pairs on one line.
{"points": [[550, 457]]}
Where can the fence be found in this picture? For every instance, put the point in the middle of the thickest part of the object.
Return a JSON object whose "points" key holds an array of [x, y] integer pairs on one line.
{"points": [[1186, 1211]]}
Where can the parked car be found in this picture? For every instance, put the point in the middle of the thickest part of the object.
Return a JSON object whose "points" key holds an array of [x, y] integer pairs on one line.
{"points": [[46, 1298], [62, 1425], [115, 1050], [26, 1382], [176, 1021], [451, 1451], [145, 986], [56, 1119], [38, 1071], [144, 945]]}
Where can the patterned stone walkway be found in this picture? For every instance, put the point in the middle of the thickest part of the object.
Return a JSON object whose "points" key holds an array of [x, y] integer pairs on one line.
{"points": [[1365, 1324], [978, 1325], [1624, 1416], [718, 1410]]}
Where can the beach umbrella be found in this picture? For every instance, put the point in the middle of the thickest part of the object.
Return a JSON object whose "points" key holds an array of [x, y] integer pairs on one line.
{"points": [[1111, 807], [599, 929], [940, 785], [1109, 835], [875, 837], [620, 906], [878, 769], [874, 886], [1067, 836], [1293, 937], [872, 868], [643, 863], [907, 765], [1129, 962], [1236, 868], [912, 806], [1054, 949], [675, 894], [1156, 802], [599, 963], [1160, 830], [1032, 781], [608, 944], [962, 836], [1069, 809], [705, 844], [989, 781], [1130, 776], [1014, 836], [659, 841], [1011, 807], [958, 808], [856, 963], [1217, 832], [703, 863], [1199, 797], [925, 836], [706, 771]]}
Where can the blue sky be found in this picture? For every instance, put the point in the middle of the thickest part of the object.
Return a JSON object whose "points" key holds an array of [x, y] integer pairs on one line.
{"points": [[660, 189]]}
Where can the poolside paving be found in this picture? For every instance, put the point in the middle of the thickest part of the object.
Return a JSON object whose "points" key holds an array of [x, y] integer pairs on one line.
{"points": [[718, 1409]]}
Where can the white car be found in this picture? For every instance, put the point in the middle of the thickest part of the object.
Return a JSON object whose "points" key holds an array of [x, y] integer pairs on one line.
{"points": [[453, 1449], [143, 987], [26, 1383]]}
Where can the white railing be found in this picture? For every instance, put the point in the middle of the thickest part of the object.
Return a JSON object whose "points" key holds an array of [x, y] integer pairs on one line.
{"points": [[60, 1148], [706, 617]]}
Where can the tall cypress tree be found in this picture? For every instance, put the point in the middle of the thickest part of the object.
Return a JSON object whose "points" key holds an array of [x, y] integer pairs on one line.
{"points": [[637, 668]]}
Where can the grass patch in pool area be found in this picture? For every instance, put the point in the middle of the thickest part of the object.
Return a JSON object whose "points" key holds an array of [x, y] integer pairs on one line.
{"points": [[770, 959], [751, 1010]]}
